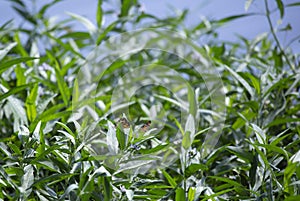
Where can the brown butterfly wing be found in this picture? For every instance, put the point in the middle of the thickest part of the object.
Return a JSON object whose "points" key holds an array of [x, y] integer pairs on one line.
{"points": [[146, 126], [124, 122]]}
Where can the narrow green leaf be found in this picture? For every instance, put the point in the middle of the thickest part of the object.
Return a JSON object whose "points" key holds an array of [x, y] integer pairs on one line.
{"points": [[31, 103], [54, 178], [7, 64], [107, 188], [99, 14], [15, 149], [279, 137], [240, 153], [272, 148], [36, 133], [211, 196], [27, 181], [126, 4], [15, 90], [255, 82], [190, 126], [191, 193], [24, 13], [276, 85], [193, 168], [104, 34], [260, 134], [293, 4], [4, 52], [280, 7], [280, 121], [192, 100], [101, 171], [67, 129], [41, 155], [76, 35], [241, 80], [70, 188], [4, 149], [58, 115], [179, 126], [45, 7], [180, 194], [7, 178], [227, 180], [49, 114], [84, 178], [20, 75], [20, 47], [288, 27], [19, 3], [68, 136], [252, 171], [288, 173], [121, 136], [111, 138], [64, 45], [233, 17], [277, 56], [294, 197], [265, 163], [169, 178], [23, 134], [86, 22], [155, 149], [62, 85], [186, 141], [296, 157], [133, 165], [171, 100]]}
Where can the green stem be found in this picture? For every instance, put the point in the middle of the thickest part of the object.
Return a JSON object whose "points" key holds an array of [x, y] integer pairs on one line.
{"points": [[184, 178], [275, 36]]}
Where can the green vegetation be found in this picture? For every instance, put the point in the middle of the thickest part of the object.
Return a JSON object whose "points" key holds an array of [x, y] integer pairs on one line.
{"points": [[228, 130]]}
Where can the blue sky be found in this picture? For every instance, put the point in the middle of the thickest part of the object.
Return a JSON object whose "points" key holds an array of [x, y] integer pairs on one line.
{"points": [[213, 9]]}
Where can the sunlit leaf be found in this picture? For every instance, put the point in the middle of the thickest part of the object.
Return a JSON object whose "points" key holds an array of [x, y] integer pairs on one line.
{"points": [[248, 4], [4, 52], [111, 138], [27, 181], [241, 80], [180, 195]]}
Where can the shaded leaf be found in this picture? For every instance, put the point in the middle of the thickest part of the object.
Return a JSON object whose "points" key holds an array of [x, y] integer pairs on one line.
{"points": [[99, 16], [7, 64], [280, 7], [15, 90]]}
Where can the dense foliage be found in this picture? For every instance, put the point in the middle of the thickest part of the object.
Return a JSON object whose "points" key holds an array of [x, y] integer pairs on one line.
{"points": [[229, 131]]}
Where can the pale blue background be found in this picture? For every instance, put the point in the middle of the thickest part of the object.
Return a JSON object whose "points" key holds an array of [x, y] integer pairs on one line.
{"points": [[213, 9]]}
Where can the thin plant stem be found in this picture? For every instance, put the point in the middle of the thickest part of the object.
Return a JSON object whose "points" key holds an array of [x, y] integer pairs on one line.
{"points": [[275, 36]]}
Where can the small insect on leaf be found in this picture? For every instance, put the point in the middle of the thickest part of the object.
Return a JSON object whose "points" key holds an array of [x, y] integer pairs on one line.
{"points": [[146, 126], [124, 122]]}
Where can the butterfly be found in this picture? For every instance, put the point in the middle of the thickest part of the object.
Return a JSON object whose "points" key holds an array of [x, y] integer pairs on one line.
{"points": [[124, 122], [146, 126]]}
